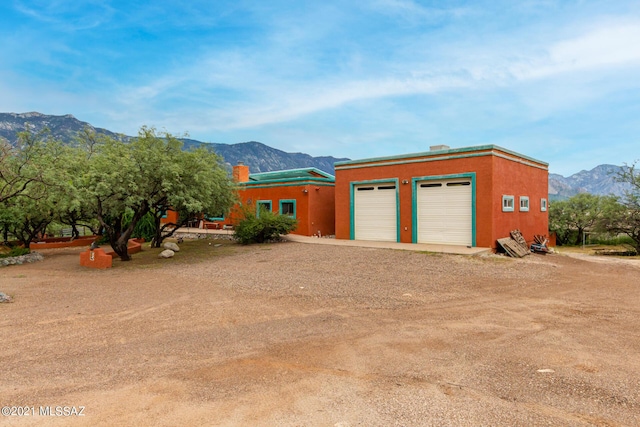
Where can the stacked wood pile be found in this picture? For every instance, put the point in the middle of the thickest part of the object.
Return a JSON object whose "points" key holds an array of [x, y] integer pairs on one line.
{"points": [[540, 245], [515, 246], [517, 236]]}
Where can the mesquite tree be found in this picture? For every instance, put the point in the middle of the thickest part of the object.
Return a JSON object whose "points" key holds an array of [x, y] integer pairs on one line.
{"points": [[624, 217], [572, 217], [21, 165], [151, 171], [204, 187], [32, 180]]}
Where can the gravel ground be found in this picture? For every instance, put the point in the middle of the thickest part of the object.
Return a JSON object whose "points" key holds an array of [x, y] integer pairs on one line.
{"points": [[297, 334]]}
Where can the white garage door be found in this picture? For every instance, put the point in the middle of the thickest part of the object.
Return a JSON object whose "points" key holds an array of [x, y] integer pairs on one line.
{"points": [[375, 212], [444, 212]]}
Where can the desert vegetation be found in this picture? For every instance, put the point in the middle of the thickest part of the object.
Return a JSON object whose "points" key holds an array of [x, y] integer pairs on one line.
{"points": [[111, 187], [614, 220]]}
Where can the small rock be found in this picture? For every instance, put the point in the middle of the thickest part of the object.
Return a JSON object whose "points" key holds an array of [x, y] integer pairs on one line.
{"points": [[170, 240], [171, 246], [167, 253], [5, 298], [545, 371]]}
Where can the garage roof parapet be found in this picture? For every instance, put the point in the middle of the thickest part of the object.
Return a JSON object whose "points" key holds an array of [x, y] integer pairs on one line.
{"points": [[440, 154]]}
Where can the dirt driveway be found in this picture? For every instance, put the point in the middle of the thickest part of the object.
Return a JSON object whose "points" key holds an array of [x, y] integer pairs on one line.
{"points": [[302, 335]]}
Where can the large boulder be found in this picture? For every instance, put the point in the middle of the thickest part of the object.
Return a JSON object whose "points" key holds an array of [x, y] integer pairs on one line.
{"points": [[171, 246], [167, 253]]}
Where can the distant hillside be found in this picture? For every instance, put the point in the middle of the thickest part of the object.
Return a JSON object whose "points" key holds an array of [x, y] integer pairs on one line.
{"points": [[64, 127], [259, 157], [262, 158], [599, 180]]}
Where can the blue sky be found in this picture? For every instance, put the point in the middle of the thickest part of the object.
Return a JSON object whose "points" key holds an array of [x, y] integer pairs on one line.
{"points": [[555, 80]]}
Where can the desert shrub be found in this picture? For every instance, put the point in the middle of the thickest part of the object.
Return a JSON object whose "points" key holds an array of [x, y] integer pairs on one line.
{"points": [[266, 226], [15, 251], [145, 228], [611, 240]]}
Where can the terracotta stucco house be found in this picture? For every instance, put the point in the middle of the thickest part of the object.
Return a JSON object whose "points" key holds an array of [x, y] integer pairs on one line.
{"points": [[465, 196], [306, 194]]}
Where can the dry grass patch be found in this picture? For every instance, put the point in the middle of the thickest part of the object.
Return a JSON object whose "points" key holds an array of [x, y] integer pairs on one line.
{"points": [[595, 249], [191, 251]]}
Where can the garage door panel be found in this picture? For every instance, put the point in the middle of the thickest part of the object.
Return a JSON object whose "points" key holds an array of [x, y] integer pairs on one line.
{"points": [[375, 212], [444, 212]]}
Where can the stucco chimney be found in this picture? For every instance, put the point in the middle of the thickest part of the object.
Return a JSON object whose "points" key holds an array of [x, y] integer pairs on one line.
{"points": [[241, 172]]}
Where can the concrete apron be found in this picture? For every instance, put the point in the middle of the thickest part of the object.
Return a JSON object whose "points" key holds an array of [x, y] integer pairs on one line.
{"points": [[419, 247]]}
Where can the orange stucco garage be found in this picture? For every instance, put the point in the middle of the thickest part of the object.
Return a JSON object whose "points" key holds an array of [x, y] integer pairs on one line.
{"points": [[466, 196]]}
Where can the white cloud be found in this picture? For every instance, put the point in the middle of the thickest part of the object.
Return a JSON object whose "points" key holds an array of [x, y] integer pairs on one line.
{"points": [[601, 48], [69, 16], [261, 96]]}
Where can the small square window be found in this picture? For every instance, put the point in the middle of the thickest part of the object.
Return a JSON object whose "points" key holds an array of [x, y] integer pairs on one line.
{"points": [[263, 205], [524, 204], [507, 203], [288, 207], [543, 205], [215, 217]]}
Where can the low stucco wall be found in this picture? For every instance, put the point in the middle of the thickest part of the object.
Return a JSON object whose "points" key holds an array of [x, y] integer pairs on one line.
{"points": [[63, 242]]}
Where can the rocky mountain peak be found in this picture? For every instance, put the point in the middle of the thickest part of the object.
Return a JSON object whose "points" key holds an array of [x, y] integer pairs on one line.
{"points": [[258, 156], [262, 158]]}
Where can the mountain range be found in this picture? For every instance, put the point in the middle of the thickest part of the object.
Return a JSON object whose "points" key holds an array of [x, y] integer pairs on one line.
{"points": [[262, 158], [259, 157], [600, 180]]}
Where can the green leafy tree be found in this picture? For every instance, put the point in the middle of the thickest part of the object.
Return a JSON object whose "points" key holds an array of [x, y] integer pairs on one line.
{"points": [[71, 206], [28, 218], [20, 165], [32, 178], [121, 179], [204, 187], [572, 217], [624, 217], [126, 181]]}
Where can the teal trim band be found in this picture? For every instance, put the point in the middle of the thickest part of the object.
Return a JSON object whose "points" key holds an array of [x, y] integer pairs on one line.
{"points": [[291, 173], [352, 219], [257, 184], [439, 158], [295, 208], [407, 162], [212, 218], [284, 180], [414, 201], [352, 222], [441, 153]]}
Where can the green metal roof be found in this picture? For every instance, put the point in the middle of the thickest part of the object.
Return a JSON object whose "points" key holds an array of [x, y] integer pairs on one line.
{"points": [[290, 175]]}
